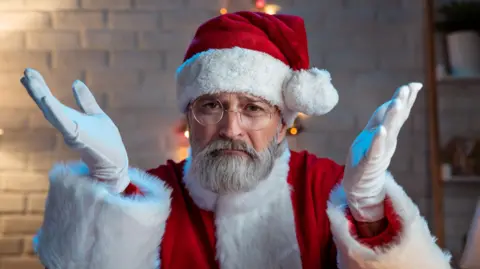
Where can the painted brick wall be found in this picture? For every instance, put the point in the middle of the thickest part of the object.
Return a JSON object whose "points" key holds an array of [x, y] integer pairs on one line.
{"points": [[127, 52]]}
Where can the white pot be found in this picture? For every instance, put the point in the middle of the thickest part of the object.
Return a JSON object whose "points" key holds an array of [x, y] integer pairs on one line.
{"points": [[464, 53]]}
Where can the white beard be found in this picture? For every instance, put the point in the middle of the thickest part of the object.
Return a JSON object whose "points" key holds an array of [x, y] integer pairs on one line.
{"points": [[224, 174]]}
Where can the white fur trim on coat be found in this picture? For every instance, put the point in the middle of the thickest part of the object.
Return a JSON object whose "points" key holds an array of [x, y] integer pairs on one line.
{"points": [[254, 229], [470, 257], [414, 248], [259, 74], [86, 226]]}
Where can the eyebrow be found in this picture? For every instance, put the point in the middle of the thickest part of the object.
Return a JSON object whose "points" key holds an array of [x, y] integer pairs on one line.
{"points": [[244, 98], [252, 99]]}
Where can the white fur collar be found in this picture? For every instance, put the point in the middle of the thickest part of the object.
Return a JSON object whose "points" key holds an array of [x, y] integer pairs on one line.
{"points": [[254, 229], [238, 202]]}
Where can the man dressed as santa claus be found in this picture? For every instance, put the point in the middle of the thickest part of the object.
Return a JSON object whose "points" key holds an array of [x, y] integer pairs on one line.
{"points": [[242, 199]]}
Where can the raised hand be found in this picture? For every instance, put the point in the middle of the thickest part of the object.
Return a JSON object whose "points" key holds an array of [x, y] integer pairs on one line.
{"points": [[371, 154], [90, 131]]}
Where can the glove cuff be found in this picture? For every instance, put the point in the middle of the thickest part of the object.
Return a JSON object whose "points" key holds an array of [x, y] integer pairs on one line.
{"points": [[368, 212], [116, 185]]}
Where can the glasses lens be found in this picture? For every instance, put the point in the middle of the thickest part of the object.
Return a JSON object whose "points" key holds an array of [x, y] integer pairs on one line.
{"points": [[207, 110], [256, 116]]}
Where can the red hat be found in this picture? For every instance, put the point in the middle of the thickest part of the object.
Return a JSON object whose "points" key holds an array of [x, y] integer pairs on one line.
{"points": [[259, 54]]}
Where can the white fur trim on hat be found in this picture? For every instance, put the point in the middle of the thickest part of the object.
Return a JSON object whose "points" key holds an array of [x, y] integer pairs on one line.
{"points": [[253, 72]]}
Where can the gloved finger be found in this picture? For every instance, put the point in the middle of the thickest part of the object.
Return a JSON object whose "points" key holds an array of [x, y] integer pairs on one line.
{"points": [[57, 117], [34, 90], [402, 93], [394, 119], [38, 90], [377, 116], [36, 85], [376, 150], [27, 84], [85, 99], [415, 87]]}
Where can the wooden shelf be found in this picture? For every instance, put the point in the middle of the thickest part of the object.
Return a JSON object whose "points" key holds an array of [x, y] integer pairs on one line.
{"points": [[459, 80], [463, 179]]}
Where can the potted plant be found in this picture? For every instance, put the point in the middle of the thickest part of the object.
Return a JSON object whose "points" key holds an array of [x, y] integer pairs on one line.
{"points": [[460, 22]]}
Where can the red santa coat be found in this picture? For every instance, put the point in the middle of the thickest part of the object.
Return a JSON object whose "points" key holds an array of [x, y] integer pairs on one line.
{"points": [[311, 181], [295, 218]]}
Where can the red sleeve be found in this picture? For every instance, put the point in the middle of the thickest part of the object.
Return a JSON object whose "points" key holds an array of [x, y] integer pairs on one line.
{"points": [[132, 190], [387, 236]]}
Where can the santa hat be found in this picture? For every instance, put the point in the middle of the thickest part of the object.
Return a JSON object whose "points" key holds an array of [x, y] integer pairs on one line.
{"points": [[259, 54]]}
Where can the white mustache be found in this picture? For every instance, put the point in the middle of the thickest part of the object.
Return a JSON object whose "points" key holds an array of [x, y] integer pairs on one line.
{"points": [[223, 144]]}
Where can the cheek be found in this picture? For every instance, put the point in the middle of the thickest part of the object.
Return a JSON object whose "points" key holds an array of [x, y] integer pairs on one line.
{"points": [[261, 139], [202, 135]]}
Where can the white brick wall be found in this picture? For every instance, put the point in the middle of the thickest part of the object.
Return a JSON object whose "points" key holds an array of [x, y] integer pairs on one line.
{"points": [[127, 52], [78, 20], [24, 20], [110, 39], [53, 40], [134, 20], [106, 4]]}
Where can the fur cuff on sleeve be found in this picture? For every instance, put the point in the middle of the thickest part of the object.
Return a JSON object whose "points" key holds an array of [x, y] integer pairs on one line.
{"points": [[86, 226], [414, 246]]}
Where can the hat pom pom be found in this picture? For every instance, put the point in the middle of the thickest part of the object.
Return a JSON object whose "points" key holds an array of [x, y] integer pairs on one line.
{"points": [[310, 92]]}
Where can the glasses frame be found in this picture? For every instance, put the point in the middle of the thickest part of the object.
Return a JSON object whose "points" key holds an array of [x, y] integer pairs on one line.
{"points": [[238, 112]]}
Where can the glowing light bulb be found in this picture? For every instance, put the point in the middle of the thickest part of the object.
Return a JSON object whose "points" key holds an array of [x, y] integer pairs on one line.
{"points": [[1, 132], [293, 131], [186, 134], [223, 11], [271, 9], [260, 4]]}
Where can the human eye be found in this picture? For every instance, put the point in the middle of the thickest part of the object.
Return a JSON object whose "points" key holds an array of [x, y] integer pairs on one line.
{"points": [[211, 105], [253, 108], [208, 106]]}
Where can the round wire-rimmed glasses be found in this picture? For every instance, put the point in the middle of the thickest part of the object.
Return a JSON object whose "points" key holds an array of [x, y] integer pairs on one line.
{"points": [[252, 115]]}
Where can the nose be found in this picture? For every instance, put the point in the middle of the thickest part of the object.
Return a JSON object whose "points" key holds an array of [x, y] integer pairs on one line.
{"points": [[230, 125]]}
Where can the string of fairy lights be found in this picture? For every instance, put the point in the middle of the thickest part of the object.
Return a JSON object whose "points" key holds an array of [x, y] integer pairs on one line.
{"points": [[258, 5]]}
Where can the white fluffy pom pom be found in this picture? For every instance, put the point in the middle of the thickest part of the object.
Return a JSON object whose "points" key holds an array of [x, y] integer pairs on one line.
{"points": [[310, 92]]}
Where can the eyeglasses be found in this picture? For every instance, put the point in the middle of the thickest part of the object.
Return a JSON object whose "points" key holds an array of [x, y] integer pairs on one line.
{"points": [[253, 115]]}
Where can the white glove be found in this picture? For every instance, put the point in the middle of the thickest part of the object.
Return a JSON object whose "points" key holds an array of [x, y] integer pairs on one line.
{"points": [[90, 132], [371, 153]]}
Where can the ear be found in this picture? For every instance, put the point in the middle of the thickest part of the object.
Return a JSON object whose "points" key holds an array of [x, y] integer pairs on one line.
{"points": [[282, 132], [189, 118]]}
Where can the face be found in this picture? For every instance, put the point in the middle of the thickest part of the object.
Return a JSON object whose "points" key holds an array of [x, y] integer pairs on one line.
{"points": [[235, 139]]}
